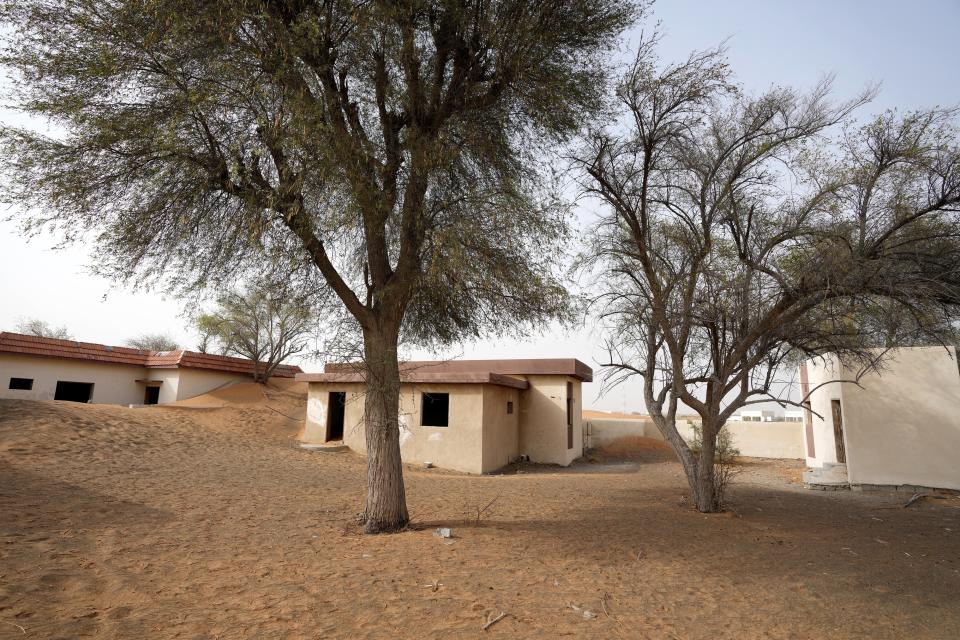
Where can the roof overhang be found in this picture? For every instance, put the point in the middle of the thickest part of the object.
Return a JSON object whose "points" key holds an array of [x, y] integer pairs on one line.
{"points": [[418, 377], [511, 367]]}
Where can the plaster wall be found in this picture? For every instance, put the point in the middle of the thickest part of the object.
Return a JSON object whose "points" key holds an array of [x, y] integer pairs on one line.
{"points": [[779, 439], [458, 446], [901, 425], [501, 436], [112, 383], [194, 382], [543, 420]]}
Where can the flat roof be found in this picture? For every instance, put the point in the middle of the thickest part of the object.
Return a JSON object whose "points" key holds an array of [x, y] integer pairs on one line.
{"points": [[22, 344], [417, 377], [519, 367]]}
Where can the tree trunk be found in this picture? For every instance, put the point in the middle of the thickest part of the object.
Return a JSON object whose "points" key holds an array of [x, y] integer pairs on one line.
{"points": [[704, 485], [386, 506]]}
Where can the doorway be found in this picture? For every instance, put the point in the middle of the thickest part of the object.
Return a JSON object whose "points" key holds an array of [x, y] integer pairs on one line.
{"points": [[336, 404], [152, 396], [838, 431], [73, 391]]}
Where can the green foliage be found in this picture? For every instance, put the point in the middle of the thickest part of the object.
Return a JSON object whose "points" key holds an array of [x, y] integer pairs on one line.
{"points": [[724, 453], [395, 147], [266, 323]]}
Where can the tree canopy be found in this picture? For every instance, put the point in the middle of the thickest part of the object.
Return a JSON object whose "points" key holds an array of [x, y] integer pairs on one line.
{"points": [[395, 148], [742, 233]]}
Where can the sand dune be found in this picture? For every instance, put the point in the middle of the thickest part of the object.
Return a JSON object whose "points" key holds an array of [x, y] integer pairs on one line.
{"points": [[206, 520]]}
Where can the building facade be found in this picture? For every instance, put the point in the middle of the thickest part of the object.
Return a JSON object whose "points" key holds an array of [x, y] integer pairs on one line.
{"points": [[35, 368], [897, 426], [467, 415]]}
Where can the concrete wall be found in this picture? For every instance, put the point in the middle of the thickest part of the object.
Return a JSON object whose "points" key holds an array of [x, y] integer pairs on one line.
{"points": [[543, 420], [903, 425], [820, 373], [112, 383], [193, 382], [758, 439], [458, 446], [601, 431], [481, 436], [501, 436]]}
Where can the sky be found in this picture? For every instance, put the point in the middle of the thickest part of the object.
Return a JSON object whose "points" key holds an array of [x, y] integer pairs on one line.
{"points": [[911, 48]]}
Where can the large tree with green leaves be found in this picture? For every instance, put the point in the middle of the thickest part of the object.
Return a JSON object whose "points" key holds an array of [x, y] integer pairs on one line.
{"points": [[395, 147]]}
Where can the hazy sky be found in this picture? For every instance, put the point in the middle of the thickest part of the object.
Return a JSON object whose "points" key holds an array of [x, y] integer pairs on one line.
{"points": [[911, 47]]}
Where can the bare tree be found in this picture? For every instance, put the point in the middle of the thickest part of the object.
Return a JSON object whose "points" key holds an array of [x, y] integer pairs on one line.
{"points": [[737, 239], [396, 148], [266, 324], [43, 329], [153, 342]]}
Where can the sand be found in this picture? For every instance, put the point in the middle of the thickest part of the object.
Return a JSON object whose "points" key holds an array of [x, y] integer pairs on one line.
{"points": [[208, 521]]}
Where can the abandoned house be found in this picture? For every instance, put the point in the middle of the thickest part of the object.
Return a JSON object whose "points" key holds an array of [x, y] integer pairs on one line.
{"points": [[898, 426], [35, 368], [467, 415]]}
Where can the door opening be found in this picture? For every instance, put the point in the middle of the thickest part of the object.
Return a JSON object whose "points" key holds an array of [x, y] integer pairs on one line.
{"points": [[336, 404], [152, 396], [73, 391], [838, 431]]}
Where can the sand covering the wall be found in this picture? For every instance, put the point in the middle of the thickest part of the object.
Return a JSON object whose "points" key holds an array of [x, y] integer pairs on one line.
{"points": [[210, 522]]}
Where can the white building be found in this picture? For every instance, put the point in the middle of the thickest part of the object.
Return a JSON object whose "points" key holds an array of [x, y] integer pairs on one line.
{"points": [[898, 426], [35, 368]]}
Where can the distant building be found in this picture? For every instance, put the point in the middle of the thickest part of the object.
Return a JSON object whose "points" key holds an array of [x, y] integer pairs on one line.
{"points": [[758, 415], [469, 415], [793, 415], [35, 368]]}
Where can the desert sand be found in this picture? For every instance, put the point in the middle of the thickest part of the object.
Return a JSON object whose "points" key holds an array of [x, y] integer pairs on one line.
{"points": [[206, 520]]}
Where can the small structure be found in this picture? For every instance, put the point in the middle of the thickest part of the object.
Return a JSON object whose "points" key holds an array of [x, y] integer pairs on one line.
{"points": [[898, 426], [468, 415], [35, 368]]}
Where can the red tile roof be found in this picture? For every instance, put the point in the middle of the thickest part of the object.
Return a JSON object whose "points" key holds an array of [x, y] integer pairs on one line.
{"points": [[72, 350], [510, 367]]}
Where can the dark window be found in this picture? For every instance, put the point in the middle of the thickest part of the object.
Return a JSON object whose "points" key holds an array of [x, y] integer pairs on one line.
{"points": [[435, 410], [73, 391], [509, 406], [569, 415], [21, 384]]}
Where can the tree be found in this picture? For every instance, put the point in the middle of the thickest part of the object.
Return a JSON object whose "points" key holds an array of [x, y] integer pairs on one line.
{"points": [[265, 324], [153, 342], [397, 148], [43, 329], [737, 239]]}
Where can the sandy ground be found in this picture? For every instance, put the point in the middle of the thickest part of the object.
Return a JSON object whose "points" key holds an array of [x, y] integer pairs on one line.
{"points": [[207, 521]]}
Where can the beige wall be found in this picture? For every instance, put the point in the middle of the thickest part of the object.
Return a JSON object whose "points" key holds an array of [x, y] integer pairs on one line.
{"points": [[112, 383], [194, 382], [501, 437], [758, 439], [543, 420], [481, 437], [602, 431], [901, 426], [458, 446]]}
